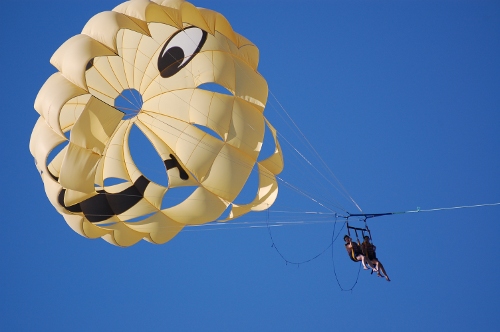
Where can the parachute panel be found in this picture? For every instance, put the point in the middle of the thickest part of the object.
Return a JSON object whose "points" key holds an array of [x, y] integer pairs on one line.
{"points": [[52, 97], [264, 198], [199, 208], [74, 56], [160, 228], [104, 28]]}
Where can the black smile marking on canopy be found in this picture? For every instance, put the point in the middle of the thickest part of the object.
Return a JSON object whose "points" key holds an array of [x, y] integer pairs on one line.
{"points": [[105, 205]]}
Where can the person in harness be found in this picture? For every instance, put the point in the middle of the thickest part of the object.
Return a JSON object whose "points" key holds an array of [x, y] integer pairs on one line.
{"points": [[355, 253], [368, 250]]}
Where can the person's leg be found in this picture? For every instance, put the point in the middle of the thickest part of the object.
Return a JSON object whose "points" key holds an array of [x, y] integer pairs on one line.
{"points": [[383, 271], [375, 263], [370, 263], [363, 261]]}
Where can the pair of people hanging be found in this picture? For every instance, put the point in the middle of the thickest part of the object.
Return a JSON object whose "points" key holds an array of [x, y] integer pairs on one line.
{"points": [[364, 252]]}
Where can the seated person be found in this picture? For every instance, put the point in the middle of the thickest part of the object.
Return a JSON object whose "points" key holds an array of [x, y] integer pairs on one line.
{"points": [[368, 250]]}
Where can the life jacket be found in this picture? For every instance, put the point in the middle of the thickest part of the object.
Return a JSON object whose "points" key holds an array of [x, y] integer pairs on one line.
{"points": [[355, 252]]}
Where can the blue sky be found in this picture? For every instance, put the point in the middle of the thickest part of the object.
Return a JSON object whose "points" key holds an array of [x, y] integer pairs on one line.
{"points": [[399, 98]]}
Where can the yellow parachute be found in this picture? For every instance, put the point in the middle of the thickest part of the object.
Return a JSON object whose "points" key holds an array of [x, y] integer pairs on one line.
{"points": [[162, 50]]}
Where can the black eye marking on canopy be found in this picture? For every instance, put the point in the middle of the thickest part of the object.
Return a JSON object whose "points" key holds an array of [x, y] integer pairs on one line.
{"points": [[179, 50], [173, 163], [105, 205]]}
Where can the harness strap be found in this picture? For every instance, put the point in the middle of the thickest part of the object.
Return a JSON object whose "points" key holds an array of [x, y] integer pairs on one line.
{"points": [[352, 256]]}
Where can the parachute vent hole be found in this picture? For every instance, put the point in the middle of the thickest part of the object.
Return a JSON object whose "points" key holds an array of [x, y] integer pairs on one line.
{"points": [[113, 181], [140, 218], [214, 87], [56, 151], [226, 212], [175, 196], [249, 191], [268, 147], [105, 223], [208, 131], [129, 102], [146, 158]]}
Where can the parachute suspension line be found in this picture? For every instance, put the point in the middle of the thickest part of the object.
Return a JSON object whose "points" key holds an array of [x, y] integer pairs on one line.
{"points": [[260, 223], [302, 156], [336, 205], [333, 260], [219, 225], [342, 188], [305, 194]]}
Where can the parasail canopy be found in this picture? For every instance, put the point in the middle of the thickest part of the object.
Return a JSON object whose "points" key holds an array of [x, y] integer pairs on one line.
{"points": [[143, 65]]}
